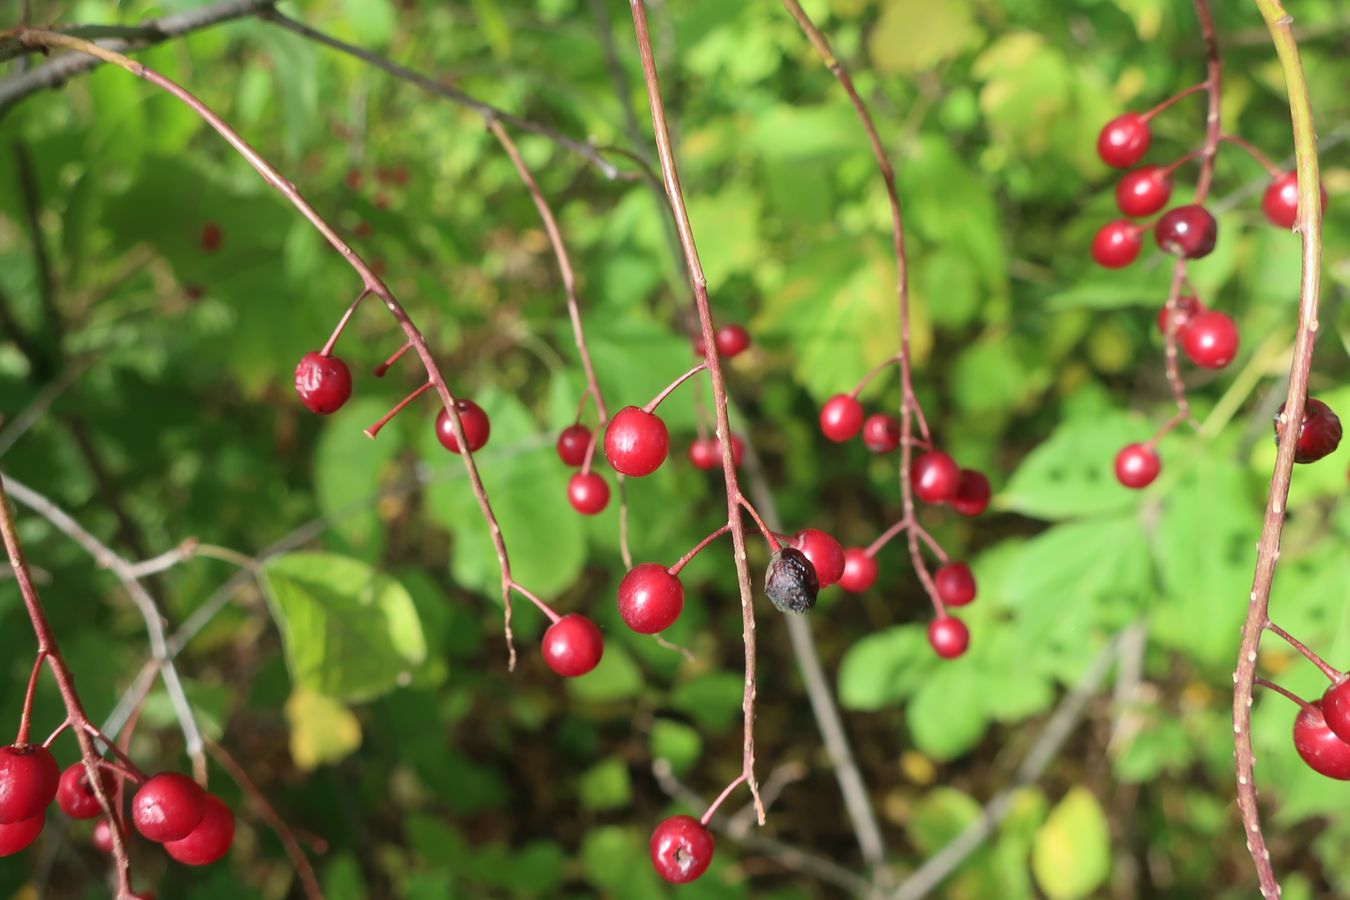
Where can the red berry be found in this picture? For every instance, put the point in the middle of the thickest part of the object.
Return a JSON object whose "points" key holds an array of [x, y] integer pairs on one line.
{"points": [[323, 382], [1210, 340], [948, 637], [1187, 231], [636, 442], [731, 340], [972, 493], [1188, 308], [103, 836], [1116, 244], [681, 849], [1124, 140], [1143, 191], [1280, 202], [955, 584], [75, 795], [881, 433], [1336, 708], [706, 452], [28, 780], [573, 645], [860, 571], [700, 348], [841, 417], [18, 836], [588, 493], [210, 840], [823, 552], [934, 477], [477, 428], [650, 598], [1318, 436], [168, 807], [1319, 746], [1137, 465], [573, 443], [211, 237]]}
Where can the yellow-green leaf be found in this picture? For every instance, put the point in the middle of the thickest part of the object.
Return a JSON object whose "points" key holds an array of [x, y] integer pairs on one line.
{"points": [[322, 729], [1072, 853]]}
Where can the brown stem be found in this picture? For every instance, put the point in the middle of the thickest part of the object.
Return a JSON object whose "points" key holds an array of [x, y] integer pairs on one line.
{"points": [[668, 389], [1287, 694], [697, 548], [1252, 151], [1326, 668], [374, 430]]}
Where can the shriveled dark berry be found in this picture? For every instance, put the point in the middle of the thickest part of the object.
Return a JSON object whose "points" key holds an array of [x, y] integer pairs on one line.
{"points": [[791, 583]]}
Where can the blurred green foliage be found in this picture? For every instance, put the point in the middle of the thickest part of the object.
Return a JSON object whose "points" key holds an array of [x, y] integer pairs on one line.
{"points": [[399, 736]]}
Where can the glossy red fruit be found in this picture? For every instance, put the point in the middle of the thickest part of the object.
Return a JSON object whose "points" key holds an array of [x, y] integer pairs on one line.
{"points": [[28, 780], [636, 442], [1210, 340], [681, 849], [211, 237], [18, 836], [573, 443], [955, 584], [1336, 708], [1137, 466], [841, 417], [1188, 308], [948, 637], [706, 452], [1116, 244], [102, 838], [823, 552], [1124, 140], [573, 646], [1143, 191], [881, 433], [210, 840], [935, 477], [1319, 746], [477, 428], [1319, 435], [75, 795], [168, 807], [860, 571], [1187, 231], [588, 493], [972, 493], [1280, 201], [731, 340], [650, 598], [323, 382]]}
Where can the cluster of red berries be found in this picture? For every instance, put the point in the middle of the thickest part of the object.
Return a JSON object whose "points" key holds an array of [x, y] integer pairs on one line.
{"points": [[195, 828]]}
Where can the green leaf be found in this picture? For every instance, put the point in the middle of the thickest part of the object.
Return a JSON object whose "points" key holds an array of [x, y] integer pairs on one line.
{"points": [[1071, 856], [606, 785], [913, 35], [616, 678], [947, 715], [373, 20], [350, 632], [727, 225], [347, 474], [712, 700], [939, 816], [323, 731], [679, 744], [884, 668], [1072, 474]]}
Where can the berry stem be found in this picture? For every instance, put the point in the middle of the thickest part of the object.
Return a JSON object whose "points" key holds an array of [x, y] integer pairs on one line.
{"points": [[1326, 668], [383, 367], [1271, 169], [876, 370], [885, 537], [1272, 686], [59, 730], [342, 324], [932, 543], [543, 607], [656, 401], [769, 537], [1193, 89], [26, 717], [384, 420], [1309, 225], [684, 560], [726, 792]]}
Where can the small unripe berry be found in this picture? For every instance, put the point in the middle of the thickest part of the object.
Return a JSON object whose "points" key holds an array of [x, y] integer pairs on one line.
{"points": [[1124, 140], [972, 493], [573, 645], [841, 417], [650, 598], [791, 583], [636, 442], [860, 570], [168, 807], [731, 340], [935, 477], [948, 637], [210, 840], [955, 584], [681, 849], [573, 443], [588, 493], [1210, 340], [28, 781], [823, 552], [477, 428], [1318, 436], [1137, 465], [324, 383], [881, 433], [1116, 244], [1187, 231]]}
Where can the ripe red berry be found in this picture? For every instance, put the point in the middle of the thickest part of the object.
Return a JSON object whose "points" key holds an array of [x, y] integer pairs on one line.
{"points": [[210, 840], [1143, 191], [211, 237], [948, 637], [841, 417], [823, 552], [1124, 140], [1318, 436], [1116, 244], [477, 428], [1137, 465], [18, 836], [323, 382], [168, 807], [1319, 746], [1187, 231], [1280, 202], [650, 598], [731, 340], [860, 571], [573, 443], [681, 849], [573, 646], [1188, 308], [972, 493], [588, 493], [706, 452], [75, 795], [28, 780], [881, 433], [102, 837], [1210, 340], [935, 477], [636, 442], [1336, 708], [955, 584]]}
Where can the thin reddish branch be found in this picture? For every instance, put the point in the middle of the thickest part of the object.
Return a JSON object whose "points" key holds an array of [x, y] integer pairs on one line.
{"points": [[697, 548], [1326, 668]]}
